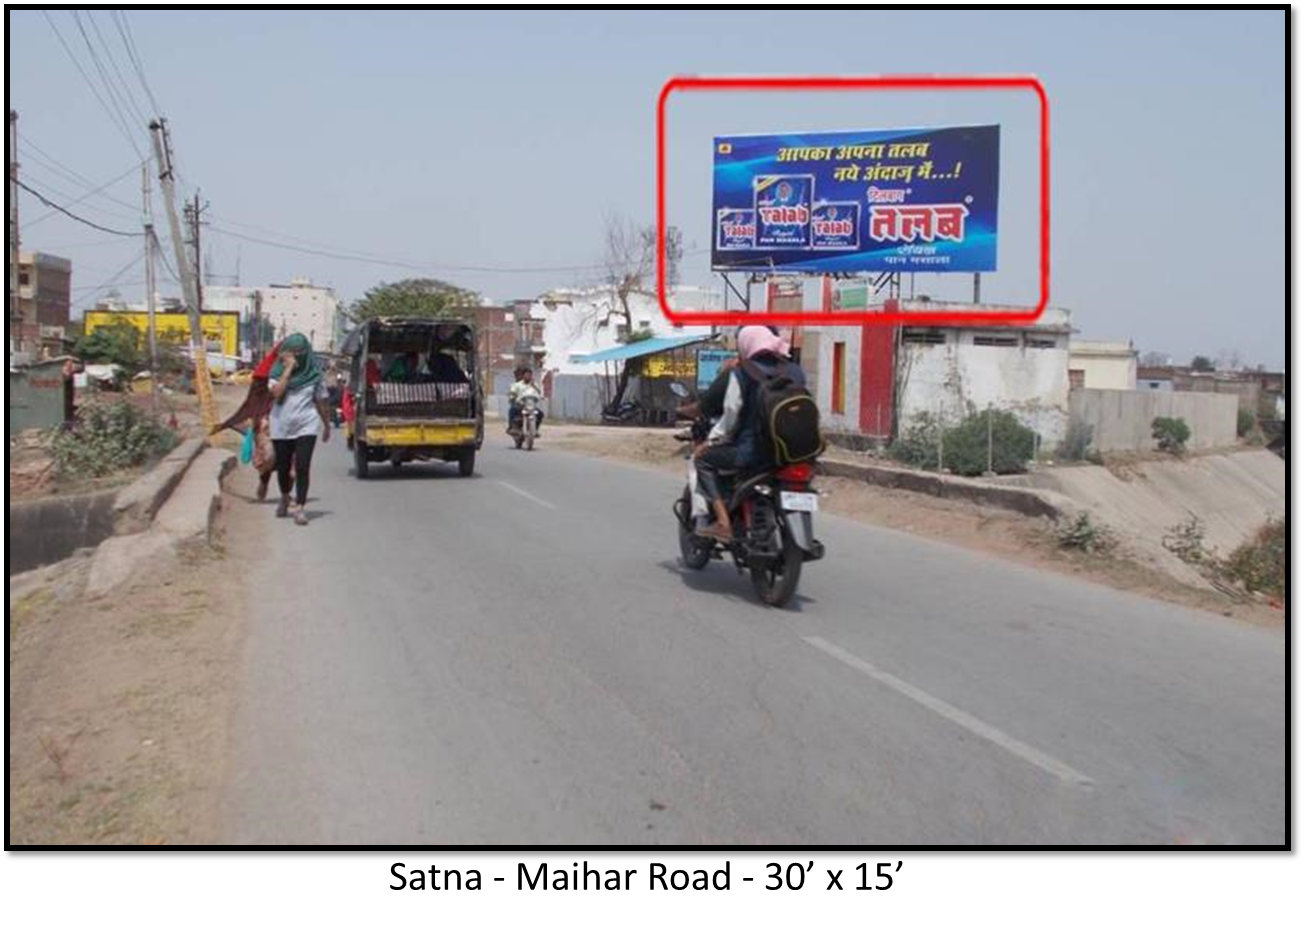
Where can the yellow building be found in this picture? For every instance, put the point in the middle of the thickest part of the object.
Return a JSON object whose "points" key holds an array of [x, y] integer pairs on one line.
{"points": [[221, 329]]}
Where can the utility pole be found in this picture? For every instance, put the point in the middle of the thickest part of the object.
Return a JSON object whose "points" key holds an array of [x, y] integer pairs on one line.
{"points": [[147, 217], [189, 273], [14, 317]]}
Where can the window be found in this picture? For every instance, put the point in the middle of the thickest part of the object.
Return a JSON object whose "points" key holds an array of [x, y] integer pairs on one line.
{"points": [[839, 399], [996, 340], [24, 278], [1040, 342], [923, 336], [1077, 379]]}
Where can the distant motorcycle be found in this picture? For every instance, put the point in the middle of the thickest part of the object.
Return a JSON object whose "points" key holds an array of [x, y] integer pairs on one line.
{"points": [[772, 516], [528, 429]]}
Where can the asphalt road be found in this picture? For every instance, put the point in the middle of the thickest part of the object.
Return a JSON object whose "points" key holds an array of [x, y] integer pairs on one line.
{"points": [[518, 658]]}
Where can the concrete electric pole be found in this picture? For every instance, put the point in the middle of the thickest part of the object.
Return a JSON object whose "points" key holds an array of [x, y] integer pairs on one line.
{"points": [[189, 273], [14, 317], [147, 219]]}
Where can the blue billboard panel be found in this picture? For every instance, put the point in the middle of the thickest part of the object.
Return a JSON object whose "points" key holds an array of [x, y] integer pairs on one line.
{"points": [[848, 202]]}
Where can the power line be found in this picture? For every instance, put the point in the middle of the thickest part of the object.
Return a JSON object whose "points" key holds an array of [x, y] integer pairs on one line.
{"points": [[362, 257], [104, 77], [72, 199], [112, 281], [73, 215], [51, 163], [119, 18], [86, 77], [113, 63], [97, 190], [49, 189]]}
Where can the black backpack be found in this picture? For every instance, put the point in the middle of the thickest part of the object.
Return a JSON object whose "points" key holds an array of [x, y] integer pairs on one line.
{"points": [[787, 416]]}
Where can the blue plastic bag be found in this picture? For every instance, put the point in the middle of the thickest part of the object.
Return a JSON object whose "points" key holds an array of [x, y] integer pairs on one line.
{"points": [[247, 447]]}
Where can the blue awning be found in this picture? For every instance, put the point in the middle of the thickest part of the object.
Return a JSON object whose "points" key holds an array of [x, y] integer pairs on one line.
{"points": [[640, 348]]}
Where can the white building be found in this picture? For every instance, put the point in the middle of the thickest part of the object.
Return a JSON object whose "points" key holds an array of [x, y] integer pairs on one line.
{"points": [[1102, 364], [955, 371], [585, 321], [301, 306]]}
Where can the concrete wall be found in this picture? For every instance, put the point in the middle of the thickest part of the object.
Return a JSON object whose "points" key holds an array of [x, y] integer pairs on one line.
{"points": [[46, 530], [1121, 418], [36, 397], [821, 356], [957, 377], [579, 397]]}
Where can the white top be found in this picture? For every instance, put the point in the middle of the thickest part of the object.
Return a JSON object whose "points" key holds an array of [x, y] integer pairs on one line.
{"points": [[295, 414]]}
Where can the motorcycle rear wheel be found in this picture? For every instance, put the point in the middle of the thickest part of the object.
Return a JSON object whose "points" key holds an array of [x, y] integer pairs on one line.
{"points": [[776, 582]]}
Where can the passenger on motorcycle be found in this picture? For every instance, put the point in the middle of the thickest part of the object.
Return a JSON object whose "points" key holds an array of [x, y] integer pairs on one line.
{"points": [[735, 443], [523, 386]]}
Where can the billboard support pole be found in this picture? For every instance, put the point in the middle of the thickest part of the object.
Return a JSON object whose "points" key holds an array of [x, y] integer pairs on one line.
{"points": [[745, 299]]}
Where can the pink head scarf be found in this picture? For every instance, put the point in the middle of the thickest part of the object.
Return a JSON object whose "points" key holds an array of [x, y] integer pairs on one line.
{"points": [[757, 339]]}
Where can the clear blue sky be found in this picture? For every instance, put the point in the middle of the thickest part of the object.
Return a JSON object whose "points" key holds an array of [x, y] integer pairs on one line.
{"points": [[502, 139]]}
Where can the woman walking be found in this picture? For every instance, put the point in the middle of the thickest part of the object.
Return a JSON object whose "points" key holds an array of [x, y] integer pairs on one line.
{"points": [[299, 414], [256, 409]]}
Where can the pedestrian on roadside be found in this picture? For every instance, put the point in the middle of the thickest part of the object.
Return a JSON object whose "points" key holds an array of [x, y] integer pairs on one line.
{"points": [[299, 414], [256, 410]]}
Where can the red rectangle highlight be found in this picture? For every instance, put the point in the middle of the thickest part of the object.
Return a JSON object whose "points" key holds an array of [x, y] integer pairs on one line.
{"points": [[905, 82]]}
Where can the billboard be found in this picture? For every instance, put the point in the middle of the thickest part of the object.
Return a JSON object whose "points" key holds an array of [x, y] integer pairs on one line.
{"points": [[894, 200], [221, 329]]}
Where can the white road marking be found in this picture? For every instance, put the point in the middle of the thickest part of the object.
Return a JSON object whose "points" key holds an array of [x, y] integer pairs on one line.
{"points": [[955, 715], [525, 494]]}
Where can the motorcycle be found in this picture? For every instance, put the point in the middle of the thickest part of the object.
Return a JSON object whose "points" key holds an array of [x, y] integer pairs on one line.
{"points": [[528, 428], [628, 412], [771, 514]]}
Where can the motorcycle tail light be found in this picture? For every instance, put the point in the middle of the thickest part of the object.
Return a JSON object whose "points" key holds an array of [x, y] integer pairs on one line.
{"points": [[796, 473]]}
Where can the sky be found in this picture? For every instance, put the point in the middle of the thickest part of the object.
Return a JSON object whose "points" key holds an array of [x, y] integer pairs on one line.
{"points": [[489, 148]]}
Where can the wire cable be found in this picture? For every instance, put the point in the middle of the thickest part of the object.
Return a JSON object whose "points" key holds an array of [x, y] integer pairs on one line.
{"points": [[119, 18], [90, 84], [113, 63], [73, 215]]}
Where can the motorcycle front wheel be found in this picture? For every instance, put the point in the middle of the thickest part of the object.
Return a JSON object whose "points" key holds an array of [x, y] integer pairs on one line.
{"points": [[775, 582], [694, 553]]}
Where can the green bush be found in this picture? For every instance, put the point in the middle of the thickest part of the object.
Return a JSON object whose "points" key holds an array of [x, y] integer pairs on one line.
{"points": [[964, 447], [107, 437], [917, 444], [1186, 541], [1260, 564], [1085, 535], [1076, 443], [1245, 422], [1171, 433]]}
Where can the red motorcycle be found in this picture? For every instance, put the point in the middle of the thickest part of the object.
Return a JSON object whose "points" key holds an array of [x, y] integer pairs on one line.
{"points": [[771, 513]]}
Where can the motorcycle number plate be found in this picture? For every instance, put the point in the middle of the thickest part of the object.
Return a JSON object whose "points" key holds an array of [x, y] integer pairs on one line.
{"points": [[799, 501]]}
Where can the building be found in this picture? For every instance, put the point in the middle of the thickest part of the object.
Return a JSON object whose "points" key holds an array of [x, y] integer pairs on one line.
{"points": [[301, 306], [44, 304], [221, 330], [1102, 365], [872, 380]]}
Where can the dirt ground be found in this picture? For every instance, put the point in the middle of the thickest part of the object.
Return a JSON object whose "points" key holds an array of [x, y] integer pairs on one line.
{"points": [[119, 708], [992, 531]]}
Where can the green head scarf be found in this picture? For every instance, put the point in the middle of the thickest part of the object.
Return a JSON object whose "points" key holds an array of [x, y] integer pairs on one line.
{"points": [[306, 372]]}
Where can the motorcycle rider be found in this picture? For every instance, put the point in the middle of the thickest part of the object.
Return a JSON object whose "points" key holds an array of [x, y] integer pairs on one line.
{"points": [[734, 443], [523, 386]]}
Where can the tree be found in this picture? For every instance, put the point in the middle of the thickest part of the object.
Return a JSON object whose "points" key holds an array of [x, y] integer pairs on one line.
{"points": [[1229, 359], [1155, 358], [1201, 364], [415, 298], [116, 343], [628, 266]]}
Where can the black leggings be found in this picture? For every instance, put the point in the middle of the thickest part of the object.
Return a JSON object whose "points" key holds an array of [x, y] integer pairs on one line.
{"points": [[296, 451]]}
